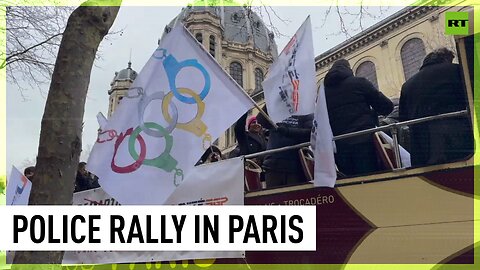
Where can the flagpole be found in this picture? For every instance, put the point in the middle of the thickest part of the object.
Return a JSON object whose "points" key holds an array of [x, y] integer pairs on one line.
{"points": [[231, 79]]}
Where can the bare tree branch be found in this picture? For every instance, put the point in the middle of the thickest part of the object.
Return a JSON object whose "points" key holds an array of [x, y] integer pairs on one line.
{"points": [[33, 38], [32, 47]]}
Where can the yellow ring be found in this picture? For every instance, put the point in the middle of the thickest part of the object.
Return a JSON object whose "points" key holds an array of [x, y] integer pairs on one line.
{"points": [[197, 129]]}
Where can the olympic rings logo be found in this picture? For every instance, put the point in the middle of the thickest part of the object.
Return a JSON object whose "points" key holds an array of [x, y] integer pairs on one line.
{"points": [[196, 126]]}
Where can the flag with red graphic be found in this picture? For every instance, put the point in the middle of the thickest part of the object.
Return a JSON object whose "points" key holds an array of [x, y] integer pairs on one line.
{"points": [[290, 86], [18, 188]]}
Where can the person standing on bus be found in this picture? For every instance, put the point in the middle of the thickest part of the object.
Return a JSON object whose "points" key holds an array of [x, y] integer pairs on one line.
{"points": [[284, 168], [436, 89], [251, 140], [353, 104]]}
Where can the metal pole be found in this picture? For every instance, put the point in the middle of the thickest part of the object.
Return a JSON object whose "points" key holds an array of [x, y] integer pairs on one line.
{"points": [[276, 150], [369, 131], [396, 148], [405, 123]]}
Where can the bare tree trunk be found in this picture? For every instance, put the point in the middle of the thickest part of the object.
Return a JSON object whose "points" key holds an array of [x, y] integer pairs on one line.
{"points": [[61, 133]]}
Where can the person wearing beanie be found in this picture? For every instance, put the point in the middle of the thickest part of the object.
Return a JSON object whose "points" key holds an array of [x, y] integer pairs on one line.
{"points": [[252, 139]]}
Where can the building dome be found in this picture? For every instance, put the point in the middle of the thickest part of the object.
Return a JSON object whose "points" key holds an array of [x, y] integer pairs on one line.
{"points": [[239, 25], [125, 74], [123, 79]]}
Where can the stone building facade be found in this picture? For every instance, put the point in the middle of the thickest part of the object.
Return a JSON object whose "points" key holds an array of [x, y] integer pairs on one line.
{"points": [[391, 51], [387, 53]]}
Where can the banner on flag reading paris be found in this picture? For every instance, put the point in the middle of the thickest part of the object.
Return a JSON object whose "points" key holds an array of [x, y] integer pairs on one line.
{"points": [[290, 84], [180, 102]]}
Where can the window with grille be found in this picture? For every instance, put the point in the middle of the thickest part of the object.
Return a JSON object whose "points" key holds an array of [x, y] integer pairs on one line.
{"points": [[367, 70], [412, 53], [236, 72], [212, 45]]}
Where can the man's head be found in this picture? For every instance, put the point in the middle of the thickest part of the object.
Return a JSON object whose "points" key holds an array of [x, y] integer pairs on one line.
{"points": [[341, 62], [29, 172], [339, 71], [252, 125], [438, 56], [81, 168]]}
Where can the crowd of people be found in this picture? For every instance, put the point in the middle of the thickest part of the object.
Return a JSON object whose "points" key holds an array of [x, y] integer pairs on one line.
{"points": [[354, 104], [84, 179]]}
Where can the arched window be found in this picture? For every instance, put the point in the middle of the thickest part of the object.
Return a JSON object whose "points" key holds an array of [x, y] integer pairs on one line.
{"points": [[367, 70], [212, 45], [412, 53], [199, 37], [236, 72], [258, 80]]}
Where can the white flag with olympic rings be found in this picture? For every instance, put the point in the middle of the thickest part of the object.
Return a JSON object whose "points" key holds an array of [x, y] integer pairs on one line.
{"points": [[180, 102]]}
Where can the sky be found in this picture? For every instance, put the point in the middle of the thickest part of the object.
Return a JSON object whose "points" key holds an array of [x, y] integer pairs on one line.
{"points": [[141, 28]]}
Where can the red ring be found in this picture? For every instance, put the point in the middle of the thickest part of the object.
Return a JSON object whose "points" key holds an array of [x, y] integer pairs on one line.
{"points": [[135, 165]]}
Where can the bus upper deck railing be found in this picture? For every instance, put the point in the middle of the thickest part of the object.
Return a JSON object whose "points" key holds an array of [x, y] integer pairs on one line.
{"points": [[393, 128]]}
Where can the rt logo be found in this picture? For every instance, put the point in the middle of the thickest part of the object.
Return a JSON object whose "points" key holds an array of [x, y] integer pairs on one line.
{"points": [[456, 23]]}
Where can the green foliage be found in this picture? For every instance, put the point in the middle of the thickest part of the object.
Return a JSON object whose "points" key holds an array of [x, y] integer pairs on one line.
{"points": [[104, 3], [3, 184]]}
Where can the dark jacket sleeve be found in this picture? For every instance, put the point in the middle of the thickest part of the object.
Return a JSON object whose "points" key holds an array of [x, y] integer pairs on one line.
{"points": [[402, 106], [298, 132], [306, 130], [262, 120], [379, 102], [240, 128], [303, 131], [81, 183]]}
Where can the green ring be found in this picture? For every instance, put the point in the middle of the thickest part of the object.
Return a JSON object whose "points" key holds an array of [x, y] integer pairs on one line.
{"points": [[163, 161]]}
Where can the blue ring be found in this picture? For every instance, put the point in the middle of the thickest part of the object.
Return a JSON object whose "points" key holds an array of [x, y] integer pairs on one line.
{"points": [[173, 67]]}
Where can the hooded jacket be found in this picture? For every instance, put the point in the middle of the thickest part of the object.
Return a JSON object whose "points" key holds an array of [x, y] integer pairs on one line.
{"points": [[436, 89], [353, 103], [292, 131]]}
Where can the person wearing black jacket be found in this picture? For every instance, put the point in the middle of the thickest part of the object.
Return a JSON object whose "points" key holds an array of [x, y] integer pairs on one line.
{"points": [[353, 104], [252, 140], [85, 180], [284, 168], [436, 89], [82, 181]]}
